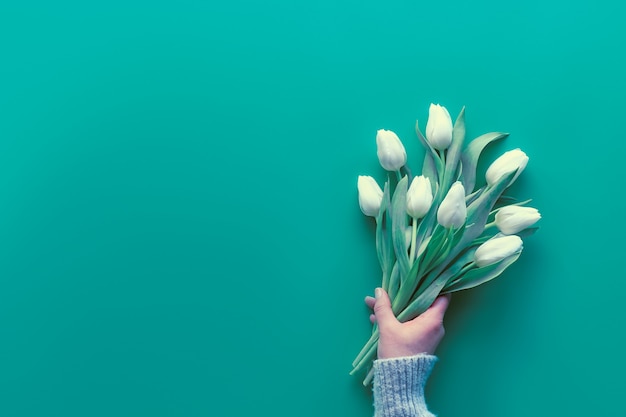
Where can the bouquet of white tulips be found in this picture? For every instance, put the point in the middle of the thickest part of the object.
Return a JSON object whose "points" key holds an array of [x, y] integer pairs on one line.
{"points": [[435, 234]]}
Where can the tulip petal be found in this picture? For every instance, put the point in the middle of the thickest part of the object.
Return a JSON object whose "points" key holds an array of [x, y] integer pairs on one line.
{"points": [[390, 150], [513, 219], [471, 155], [514, 160], [419, 197], [370, 195], [439, 127], [452, 211]]}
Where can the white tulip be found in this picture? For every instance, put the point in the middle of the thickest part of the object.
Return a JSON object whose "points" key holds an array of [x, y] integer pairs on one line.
{"points": [[370, 195], [452, 211], [391, 153], [497, 249], [505, 164], [513, 219], [439, 127], [419, 197]]}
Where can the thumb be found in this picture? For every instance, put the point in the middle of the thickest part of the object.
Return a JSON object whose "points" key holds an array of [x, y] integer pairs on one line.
{"points": [[382, 308], [438, 309]]}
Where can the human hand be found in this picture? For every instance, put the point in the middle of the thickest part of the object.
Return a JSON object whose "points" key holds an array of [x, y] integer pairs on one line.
{"points": [[420, 335]]}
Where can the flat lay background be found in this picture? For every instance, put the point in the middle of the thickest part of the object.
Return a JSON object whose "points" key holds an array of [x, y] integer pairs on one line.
{"points": [[179, 227]]}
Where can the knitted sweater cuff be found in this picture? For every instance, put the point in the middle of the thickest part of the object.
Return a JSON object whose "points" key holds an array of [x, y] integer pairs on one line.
{"points": [[399, 386]]}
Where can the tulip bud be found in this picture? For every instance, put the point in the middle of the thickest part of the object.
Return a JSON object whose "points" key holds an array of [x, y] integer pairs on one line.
{"points": [[370, 195], [439, 127], [513, 219], [419, 197], [497, 249], [391, 153], [452, 211], [505, 164]]}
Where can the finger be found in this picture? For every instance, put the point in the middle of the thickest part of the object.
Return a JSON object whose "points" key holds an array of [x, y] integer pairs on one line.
{"points": [[382, 308], [438, 308], [370, 301], [372, 318]]}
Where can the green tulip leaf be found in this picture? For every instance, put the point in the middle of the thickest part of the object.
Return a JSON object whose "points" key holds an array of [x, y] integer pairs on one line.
{"points": [[478, 276], [423, 245], [471, 154], [429, 170], [422, 301], [459, 175], [407, 172], [452, 239], [411, 283], [408, 285], [527, 232], [478, 212], [437, 241], [433, 166], [458, 234], [451, 270], [394, 281], [443, 254], [484, 237], [382, 242], [509, 201], [470, 198], [399, 223], [454, 150]]}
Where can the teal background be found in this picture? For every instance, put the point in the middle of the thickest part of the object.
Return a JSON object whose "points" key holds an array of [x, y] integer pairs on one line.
{"points": [[179, 227]]}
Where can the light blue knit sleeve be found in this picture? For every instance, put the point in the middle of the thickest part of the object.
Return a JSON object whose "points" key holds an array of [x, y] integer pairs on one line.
{"points": [[399, 386]]}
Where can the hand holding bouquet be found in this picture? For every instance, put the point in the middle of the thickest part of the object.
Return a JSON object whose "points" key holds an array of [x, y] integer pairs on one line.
{"points": [[435, 234]]}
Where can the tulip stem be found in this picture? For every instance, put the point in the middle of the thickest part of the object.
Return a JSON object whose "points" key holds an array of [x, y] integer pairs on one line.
{"points": [[442, 177], [407, 172], [490, 225], [457, 277], [413, 242], [465, 269], [398, 175], [369, 377], [385, 281], [366, 351]]}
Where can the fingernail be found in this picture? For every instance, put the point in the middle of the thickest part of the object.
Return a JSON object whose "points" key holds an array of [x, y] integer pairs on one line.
{"points": [[378, 292]]}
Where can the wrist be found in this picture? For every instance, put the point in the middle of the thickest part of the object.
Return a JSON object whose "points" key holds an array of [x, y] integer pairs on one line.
{"points": [[399, 385]]}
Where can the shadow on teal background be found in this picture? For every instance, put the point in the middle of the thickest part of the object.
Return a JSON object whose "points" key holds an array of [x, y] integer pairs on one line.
{"points": [[179, 229]]}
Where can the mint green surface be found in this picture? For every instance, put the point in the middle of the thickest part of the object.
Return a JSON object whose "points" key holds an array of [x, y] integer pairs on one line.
{"points": [[179, 227]]}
